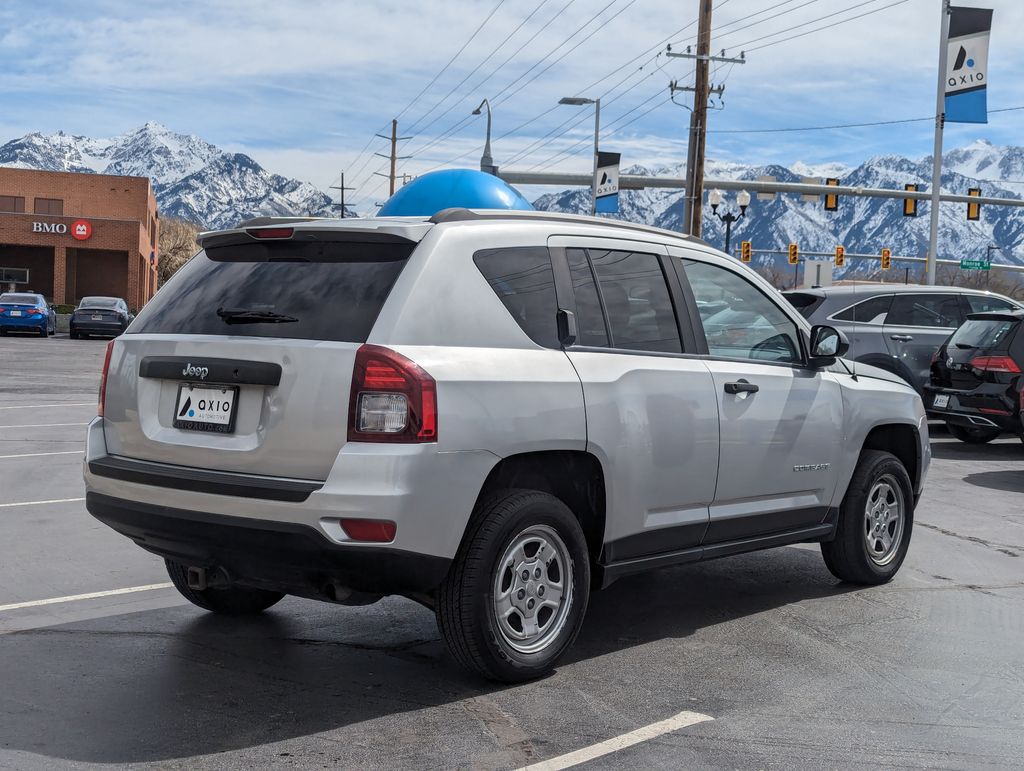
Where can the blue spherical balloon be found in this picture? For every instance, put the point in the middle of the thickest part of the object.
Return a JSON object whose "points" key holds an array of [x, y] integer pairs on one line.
{"points": [[453, 188]]}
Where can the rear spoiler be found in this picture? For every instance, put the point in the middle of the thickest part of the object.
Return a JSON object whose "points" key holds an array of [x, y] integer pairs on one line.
{"points": [[352, 231], [996, 316]]}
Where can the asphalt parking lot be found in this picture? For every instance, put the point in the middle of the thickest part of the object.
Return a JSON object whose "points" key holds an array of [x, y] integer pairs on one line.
{"points": [[793, 668]]}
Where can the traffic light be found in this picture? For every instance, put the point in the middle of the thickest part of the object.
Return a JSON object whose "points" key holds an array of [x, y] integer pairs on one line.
{"points": [[745, 251], [974, 209], [910, 204], [840, 256], [831, 199], [794, 254], [886, 258]]}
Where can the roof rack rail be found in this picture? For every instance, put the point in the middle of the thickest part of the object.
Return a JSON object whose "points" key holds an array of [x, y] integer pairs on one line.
{"points": [[256, 222], [466, 215]]}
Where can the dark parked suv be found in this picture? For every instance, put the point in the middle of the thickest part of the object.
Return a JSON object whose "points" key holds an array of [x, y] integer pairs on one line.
{"points": [[976, 382]]}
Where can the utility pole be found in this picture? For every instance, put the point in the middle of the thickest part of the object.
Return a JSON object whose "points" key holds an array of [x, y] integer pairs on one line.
{"points": [[340, 187], [699, 117], [940, 121], [395, 139]]}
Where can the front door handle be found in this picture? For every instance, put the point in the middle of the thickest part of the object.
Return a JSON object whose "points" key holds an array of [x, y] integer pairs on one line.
{"points": [[901, 338], [741, 387]]}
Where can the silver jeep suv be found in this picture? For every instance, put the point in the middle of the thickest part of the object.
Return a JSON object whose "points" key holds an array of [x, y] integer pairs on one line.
{"points": [[491, 413]]}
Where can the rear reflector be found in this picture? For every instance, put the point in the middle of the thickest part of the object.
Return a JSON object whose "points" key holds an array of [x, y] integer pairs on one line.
{"points": [[392, 399], [271, 232], [370, 530], [103, 379], [995, 364]]}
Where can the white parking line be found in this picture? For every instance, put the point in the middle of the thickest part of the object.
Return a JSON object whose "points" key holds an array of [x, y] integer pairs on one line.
{"points": [[44, 425], [78, 597], [609, 746], [38, 406], [41, 454], [39, 503]]}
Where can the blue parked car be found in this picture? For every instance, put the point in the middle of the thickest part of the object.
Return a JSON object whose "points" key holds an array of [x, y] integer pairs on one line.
{"points": [[26, 312]]}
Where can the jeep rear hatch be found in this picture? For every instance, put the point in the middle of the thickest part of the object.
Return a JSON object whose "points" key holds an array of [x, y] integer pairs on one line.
{"points": [[243, 361]]}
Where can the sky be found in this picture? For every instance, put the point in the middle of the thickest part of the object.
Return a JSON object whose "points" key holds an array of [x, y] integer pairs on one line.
{"points": [[302, 86]]}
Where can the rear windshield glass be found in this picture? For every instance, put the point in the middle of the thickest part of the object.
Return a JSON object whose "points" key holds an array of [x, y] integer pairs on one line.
{"points": [[19, 299], [983, 333], [307, 290], [98, 302], [805, 303]]}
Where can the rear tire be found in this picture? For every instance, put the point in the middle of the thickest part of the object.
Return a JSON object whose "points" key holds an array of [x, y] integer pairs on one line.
{"points": [[226, 601], [496, 608], [875, 522], [973, 435], [44, 332]]}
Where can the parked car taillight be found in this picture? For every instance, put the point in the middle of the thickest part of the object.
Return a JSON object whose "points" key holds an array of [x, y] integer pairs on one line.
{"points": [[103, 379], [392, 399], [995, 364]]}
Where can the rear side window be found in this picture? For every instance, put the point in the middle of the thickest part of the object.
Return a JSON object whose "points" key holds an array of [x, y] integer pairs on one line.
{"points": [[993, 334], [309, 290], [868, 312], [925, 310], [634, 296], [591, 329], [523, 280], [984, 304], [805, 303]]}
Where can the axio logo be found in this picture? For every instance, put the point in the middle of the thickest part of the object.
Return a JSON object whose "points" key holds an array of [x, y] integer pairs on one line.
{"points": [[961, 60], [81, 229], [199, 372], [964, 74], [49, 227]]}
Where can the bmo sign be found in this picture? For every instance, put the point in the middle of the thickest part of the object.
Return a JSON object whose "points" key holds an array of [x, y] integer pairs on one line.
{"points": [[79, 229]]}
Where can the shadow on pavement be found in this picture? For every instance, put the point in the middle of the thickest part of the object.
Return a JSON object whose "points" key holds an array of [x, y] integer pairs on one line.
{"points": [[999, 450], [1008, 481], [177, 683]]}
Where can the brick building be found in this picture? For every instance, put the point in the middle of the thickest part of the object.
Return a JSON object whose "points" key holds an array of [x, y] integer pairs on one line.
{"points": [[68, 235]]}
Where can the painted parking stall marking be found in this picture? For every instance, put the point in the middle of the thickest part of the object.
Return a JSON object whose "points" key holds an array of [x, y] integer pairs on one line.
{"points": [[40, 454], [80, 597], [607, 747], [40, 503]]}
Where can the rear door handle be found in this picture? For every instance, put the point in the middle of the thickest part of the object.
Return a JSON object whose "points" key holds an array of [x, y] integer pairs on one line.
{"points": [[740, 387], [901, 338]]}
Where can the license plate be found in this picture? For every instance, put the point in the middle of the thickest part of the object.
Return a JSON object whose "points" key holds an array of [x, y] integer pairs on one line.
{"points": [[97, 318], [206, 408], [941, 401], [15, 313]]}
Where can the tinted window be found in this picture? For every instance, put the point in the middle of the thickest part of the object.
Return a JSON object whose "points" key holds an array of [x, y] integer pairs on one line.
{"points": [[54, 206], [925, 310], [590, 324], [522, 279], [334, 289], [805, 303], [99, 302], [20, 299], [739, 320], [869, 311], [984, 304], [12, 203], [983, 333]]}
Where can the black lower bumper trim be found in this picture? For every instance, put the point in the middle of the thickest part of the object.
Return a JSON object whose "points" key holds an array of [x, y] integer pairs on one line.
{"points": [[293, 558]]}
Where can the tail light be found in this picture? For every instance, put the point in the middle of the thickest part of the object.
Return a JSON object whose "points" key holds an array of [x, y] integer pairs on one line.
{"points": [[392, 399], [271, 232], [995, 364], [103, 379]]}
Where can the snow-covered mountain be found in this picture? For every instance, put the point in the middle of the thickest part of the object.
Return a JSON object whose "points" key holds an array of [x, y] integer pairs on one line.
{"points": [[192, 178], [861, 224]]}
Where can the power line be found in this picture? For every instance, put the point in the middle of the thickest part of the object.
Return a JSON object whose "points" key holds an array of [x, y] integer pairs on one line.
{"points": [[840, 125], [818, 29]]}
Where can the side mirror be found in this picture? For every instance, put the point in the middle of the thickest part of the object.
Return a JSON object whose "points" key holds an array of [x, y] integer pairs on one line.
{"points": [[827, 345]]}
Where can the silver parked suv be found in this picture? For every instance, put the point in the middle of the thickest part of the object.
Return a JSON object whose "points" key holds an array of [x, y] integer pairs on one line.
{"points": [[897, 327], [490, 413]]}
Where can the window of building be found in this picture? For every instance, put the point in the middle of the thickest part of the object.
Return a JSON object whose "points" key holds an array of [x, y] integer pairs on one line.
{"points": [[52, 206], [523, 280], [12, 203]]}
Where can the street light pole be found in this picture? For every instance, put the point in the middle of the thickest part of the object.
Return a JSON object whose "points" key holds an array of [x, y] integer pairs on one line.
{"points": [[715, 198], [486, 161], [578, 101]]}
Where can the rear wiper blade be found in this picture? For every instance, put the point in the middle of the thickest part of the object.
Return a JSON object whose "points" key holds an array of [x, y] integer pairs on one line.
{"points": [[963, 346], [249, 316]]}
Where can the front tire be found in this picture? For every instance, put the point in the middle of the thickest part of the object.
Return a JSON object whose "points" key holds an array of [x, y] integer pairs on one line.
{"points": [[875, 522], [515, 596], [226, 601], [973, 435]]}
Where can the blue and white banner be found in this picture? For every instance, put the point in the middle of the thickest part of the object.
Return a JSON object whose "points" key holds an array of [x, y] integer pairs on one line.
{"points": [[967, 65], [606, 183]]}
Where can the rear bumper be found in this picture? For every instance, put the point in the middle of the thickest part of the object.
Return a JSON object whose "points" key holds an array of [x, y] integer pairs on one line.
{"points": [[984, 407], [97, 327], [23, 323], [289, 557]]}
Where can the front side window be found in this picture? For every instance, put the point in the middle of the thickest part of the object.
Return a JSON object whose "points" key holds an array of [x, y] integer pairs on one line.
{"points": [[925, 310], [524, 282], [740, 321]]}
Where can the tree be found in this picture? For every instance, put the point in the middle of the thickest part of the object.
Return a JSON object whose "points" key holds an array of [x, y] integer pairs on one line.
{"points": [[177, 246]]}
